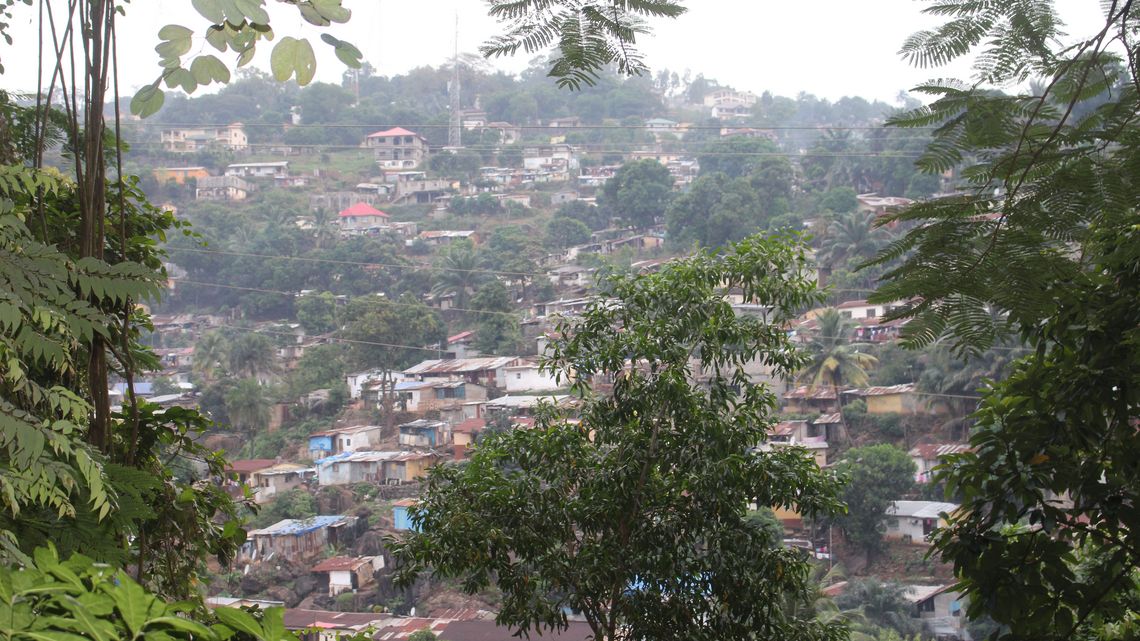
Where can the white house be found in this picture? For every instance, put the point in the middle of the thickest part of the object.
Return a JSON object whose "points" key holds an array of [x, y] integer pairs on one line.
{"points": [[913, 521], [928, 455], [527, 377], [348, 573], [259, 169], [941, 609], [343, 439]]}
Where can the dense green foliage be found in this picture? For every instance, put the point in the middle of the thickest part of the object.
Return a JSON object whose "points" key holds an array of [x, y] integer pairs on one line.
{"points": [[1044, 243], [638, 193], [636, 516], [875, 475]]}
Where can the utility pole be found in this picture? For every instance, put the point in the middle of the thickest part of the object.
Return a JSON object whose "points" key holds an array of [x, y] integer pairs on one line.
{"points": [[455, 125]]}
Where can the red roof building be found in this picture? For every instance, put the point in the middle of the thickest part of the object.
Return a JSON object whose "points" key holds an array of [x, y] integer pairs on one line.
{"points": [[362, 209]]}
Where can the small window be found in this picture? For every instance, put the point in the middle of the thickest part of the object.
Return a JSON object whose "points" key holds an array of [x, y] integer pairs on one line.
{"points": [[845, 314], [892, 524]]}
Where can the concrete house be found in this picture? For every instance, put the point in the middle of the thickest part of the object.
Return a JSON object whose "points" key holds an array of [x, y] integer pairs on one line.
{"points": [[913, 521], [268, 482], [361, 216], [465, 432], [432, 395], [244, 469], [298, 539], [388, 468], [439, 237], [222, 188], [928, 455], [941, 609], [527, 377], [278, 169], [817, 447], [397, 148], [343, 439], [348, 573], [190, 139], [425, 433]]}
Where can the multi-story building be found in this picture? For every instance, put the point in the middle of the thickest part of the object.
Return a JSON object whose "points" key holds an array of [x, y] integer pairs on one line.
{"points": [[397, 148], [191, 139]]}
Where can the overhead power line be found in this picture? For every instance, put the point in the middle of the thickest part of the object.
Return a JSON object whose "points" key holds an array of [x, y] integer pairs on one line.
{"points": [[820, 128], [605, 150]]}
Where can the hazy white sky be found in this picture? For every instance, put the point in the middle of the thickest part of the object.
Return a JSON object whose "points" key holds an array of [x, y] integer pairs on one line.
{"points": [[830, 48]]}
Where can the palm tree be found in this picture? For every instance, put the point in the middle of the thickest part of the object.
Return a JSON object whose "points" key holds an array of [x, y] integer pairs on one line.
{"points": [[954, 383], [210, 355], [248, 407], [835, 361], [851, 236], [251, 355], [458, 273]]}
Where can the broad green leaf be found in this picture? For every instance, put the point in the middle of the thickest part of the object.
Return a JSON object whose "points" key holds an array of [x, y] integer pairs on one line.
{"points": [[175, 32], [273, 622], [217, 38], [208, 68], [332, 10], [210, 10], [186, 625], [312, 16], [147, 101], [180, 78], [132, 602], [281, 62], [253, 11], [305, 63], [240, 621]]}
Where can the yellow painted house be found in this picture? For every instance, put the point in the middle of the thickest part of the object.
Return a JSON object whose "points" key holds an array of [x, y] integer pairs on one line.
{"points": [[180, 174], [895, 399]]}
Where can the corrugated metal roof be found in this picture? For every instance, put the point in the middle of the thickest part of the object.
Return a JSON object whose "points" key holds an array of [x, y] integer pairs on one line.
{"points": [[460, 365], [247, 466], [371, 457], [341, 563], [934, 451], [292, 527], [819, 393], [920, 593], [904, 388], [353, 429], [828, 419], [920, 509], [526, 402]]}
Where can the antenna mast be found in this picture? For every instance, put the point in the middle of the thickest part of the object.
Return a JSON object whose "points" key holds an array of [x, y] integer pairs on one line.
{"points": [[455, 126]]}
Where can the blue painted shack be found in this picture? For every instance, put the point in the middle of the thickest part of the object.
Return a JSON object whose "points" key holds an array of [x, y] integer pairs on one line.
{"points": [[401, 519]]}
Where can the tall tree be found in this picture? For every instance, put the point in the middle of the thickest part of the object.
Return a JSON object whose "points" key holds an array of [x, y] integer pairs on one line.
{"points": [[248, 407], [876, 475], [636, 517], [1043, 242], [639, 192]]}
